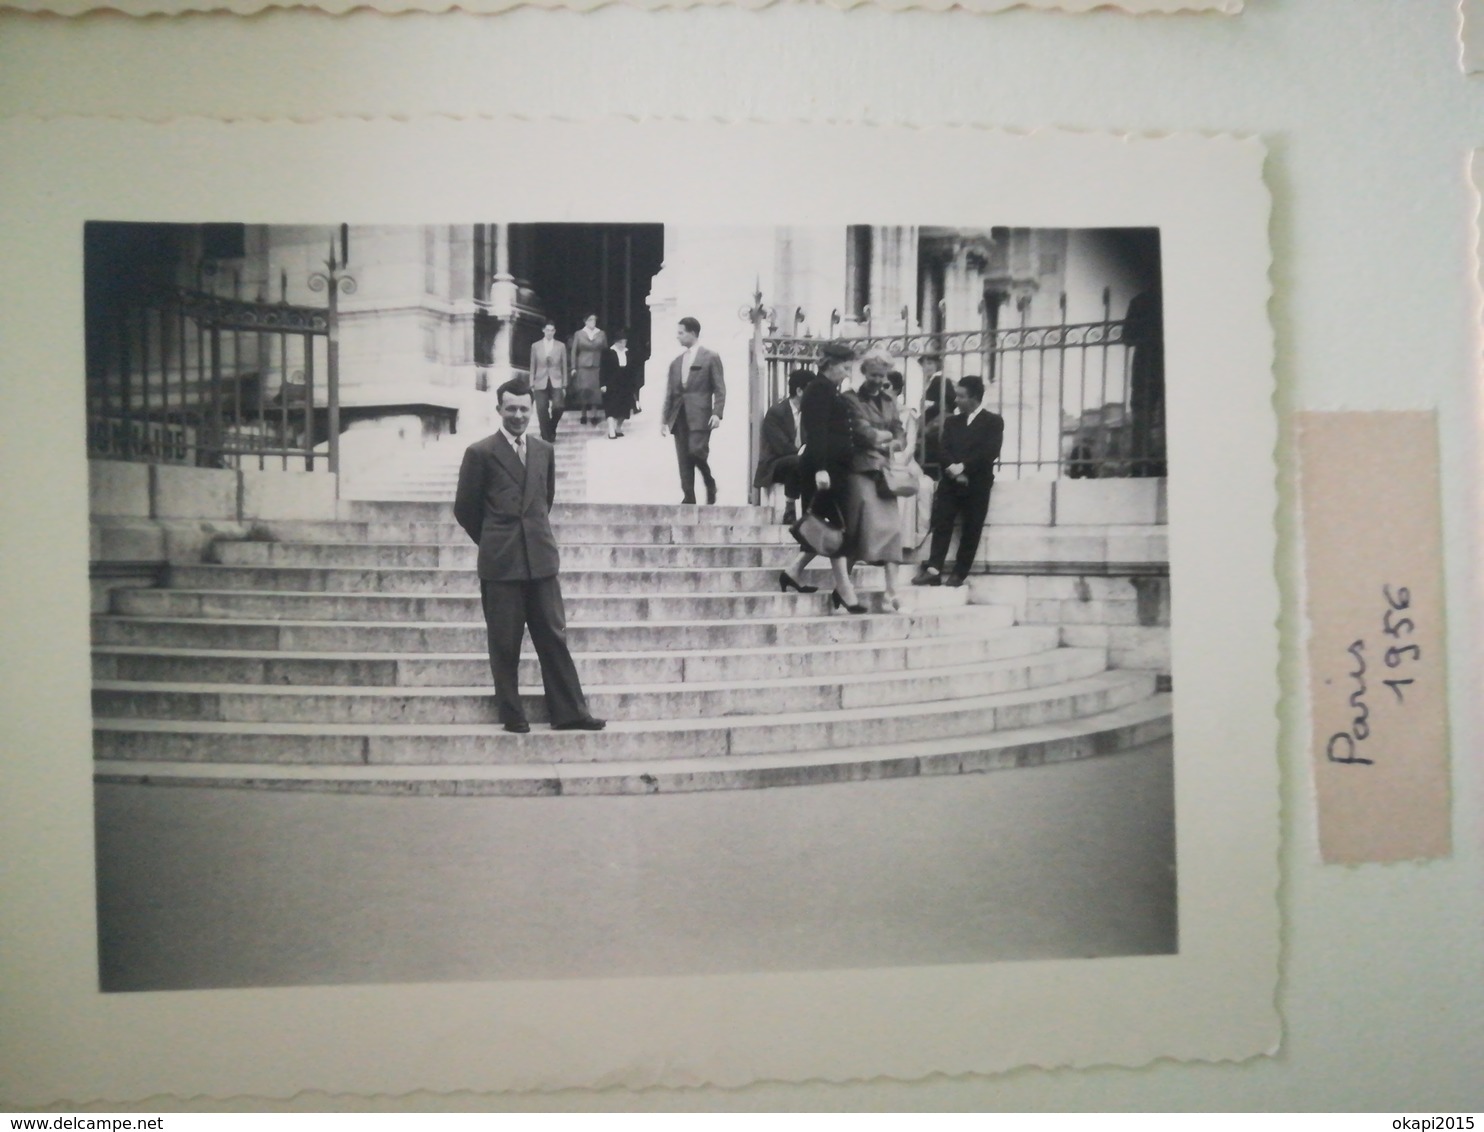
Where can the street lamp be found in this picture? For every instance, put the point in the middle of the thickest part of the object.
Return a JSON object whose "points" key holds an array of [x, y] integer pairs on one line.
{"points": [[333, 280]]}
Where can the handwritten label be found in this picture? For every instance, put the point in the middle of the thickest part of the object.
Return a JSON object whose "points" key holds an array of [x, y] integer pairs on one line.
{"points": [[1344, 746], [1377, 680]]}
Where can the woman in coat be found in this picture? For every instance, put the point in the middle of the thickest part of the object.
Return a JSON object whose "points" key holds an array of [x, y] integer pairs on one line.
{"points": [[617, 384], [913, 511], [588, 347], [828, 419], [872, 517]]}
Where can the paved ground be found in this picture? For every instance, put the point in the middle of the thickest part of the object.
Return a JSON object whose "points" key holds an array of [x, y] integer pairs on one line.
{"points": [[222, 888]]}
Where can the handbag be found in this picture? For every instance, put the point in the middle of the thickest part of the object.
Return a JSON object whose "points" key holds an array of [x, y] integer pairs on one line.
{"points": [[898, 481], [821, 530]]}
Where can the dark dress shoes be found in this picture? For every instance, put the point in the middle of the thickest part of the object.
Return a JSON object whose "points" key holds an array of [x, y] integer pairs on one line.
{"points": [[954, 581], [926, 577], [786, 582], [520, 728], [587, 723]]}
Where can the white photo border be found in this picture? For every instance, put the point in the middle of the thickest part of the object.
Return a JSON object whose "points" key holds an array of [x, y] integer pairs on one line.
{"points": [[1214, 1001], [489, 7]]}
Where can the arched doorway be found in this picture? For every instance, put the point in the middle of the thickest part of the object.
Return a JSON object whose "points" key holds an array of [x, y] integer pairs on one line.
{"points": [[575, 270]]}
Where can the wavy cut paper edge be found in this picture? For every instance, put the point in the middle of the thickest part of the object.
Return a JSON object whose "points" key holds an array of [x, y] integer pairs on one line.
{"points": [[492, 7]]}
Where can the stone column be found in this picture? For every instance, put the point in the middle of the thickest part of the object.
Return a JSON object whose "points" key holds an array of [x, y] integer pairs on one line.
{"points": [[709, 274], [502, 306], [809, 275], [893, 277]]}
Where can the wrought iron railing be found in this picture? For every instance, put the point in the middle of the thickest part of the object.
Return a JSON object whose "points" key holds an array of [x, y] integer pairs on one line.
{"points": [[185, 377], [1066, 391]]}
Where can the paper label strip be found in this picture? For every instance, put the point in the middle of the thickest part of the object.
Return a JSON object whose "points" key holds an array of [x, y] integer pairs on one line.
{"points": [[1377, 674]]}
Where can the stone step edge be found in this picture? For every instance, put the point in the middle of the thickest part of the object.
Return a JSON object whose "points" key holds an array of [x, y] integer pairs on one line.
{"points": [[541, 733], [467, 571], [424, 692], [441, 514], [672, 623], [184, 653], [1094, 736], [473, 547], [676, 507], [702, 518], [421, 595], [295, 527]]}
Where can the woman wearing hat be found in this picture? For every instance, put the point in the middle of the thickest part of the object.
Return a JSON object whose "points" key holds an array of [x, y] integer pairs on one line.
{"points": [[617, 385], [829, 423]]}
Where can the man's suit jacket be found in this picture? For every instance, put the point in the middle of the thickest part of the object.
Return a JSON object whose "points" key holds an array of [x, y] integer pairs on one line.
{"points": [[505, 508], [975, 446], [553, 369], [779, 439], [702, 391]]}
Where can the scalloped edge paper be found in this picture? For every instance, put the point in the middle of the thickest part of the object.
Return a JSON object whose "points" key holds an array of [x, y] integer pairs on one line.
{"points": [[487, 7], [1471, 36], [1214, 1001]]}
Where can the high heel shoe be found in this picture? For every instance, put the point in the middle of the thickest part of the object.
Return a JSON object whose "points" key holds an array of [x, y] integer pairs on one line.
{"points": [[893, 603], [786, 583], [838, 602]]}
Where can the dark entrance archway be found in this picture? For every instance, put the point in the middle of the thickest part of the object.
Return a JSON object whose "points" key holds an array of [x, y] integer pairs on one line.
{"points": [[581, 269]]}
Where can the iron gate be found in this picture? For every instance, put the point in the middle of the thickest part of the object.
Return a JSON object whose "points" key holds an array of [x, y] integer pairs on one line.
{"points": [[186, 377], [1072, 395]]}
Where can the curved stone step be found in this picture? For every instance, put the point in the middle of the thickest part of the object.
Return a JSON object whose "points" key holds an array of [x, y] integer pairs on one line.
{"points": [[289, 635], [567, 534], [269, 703], [650, 582], [485, 744], [471, 669], [290, 605], [602, 513], [464, 555], [1105, 734]]}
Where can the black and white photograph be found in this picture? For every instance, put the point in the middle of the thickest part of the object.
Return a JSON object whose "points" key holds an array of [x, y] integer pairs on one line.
{"points": [[538, 600], [587, 635]]}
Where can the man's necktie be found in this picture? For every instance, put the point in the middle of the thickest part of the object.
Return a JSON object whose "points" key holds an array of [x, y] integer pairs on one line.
{"points": [[520, 449]]}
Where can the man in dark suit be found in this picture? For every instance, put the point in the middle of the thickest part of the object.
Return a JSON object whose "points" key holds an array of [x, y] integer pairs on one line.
{"points": [[779, 443], [548, 375], [970, 446], [506, 487], [694, 400]]}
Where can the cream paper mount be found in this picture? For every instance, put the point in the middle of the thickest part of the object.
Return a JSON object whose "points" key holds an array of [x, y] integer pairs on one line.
{"points": [[1210, 998], [1471, 35], [339, 7]]}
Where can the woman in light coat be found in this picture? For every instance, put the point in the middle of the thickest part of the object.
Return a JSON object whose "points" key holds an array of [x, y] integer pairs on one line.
{"points": [[588, 346], [872, 518]]}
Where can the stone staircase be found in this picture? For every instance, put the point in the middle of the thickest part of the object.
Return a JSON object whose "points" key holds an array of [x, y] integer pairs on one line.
{"points": [[432, 473], [349, 655]]}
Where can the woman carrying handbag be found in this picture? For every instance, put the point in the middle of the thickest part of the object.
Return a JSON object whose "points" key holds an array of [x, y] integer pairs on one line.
{"points": [[914, 508], [829, 423], [871, 513]]}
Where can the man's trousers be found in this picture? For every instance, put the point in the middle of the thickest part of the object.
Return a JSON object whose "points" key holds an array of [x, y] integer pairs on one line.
{"points": [[549, 402], [954, 502], [509, 608], [692, 452]]}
